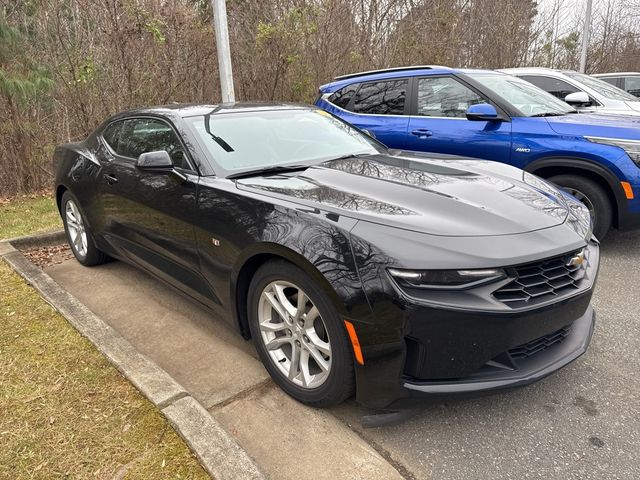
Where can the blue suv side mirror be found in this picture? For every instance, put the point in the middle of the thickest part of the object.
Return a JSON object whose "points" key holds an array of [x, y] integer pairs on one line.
{"points": [[483, 112]]}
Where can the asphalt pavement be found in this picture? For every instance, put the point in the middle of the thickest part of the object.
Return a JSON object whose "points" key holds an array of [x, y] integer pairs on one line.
{"points": [[582, 422]]}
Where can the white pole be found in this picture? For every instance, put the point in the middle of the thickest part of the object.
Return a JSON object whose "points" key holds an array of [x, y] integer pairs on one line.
{"points": [[586, 32], [224, 53]]}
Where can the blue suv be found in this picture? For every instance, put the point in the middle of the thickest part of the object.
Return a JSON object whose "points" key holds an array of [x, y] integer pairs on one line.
{"points": [[495, 116]]}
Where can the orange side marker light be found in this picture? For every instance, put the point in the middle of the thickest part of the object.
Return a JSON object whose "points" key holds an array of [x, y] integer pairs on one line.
{"points": [[357, 352], [628, 191]]}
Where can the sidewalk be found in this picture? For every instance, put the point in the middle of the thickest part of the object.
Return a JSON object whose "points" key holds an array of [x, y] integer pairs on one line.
{"points": [[220, 370]]}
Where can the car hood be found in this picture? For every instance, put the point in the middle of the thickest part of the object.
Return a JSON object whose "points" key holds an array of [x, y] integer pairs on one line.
{"points": [[435, 196], [597, 125]]}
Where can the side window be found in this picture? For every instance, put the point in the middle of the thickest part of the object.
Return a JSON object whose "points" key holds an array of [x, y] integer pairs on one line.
{"points": [[141, 135], [632, 85], [445, 97], [615, 81], [111, 135], [557, 88], [385, 98], [342, 97]]}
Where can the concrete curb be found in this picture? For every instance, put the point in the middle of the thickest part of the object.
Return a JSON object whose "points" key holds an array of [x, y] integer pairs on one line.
{"points": [[217, 451], [38, 240]]}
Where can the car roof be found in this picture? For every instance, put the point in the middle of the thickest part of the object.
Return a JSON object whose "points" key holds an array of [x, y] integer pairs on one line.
{"points": [[195, 109], [617, 74], [395, 72], [392, 70], [480, 70], [533, 70]]}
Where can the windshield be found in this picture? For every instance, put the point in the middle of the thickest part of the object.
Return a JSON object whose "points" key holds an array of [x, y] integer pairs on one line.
{"points": [[252, 140], [526, 97], [603, 88]]}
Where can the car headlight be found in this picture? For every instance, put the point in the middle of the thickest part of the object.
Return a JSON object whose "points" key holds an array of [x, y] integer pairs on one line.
{"points": [[631, 147], [445, 279]]}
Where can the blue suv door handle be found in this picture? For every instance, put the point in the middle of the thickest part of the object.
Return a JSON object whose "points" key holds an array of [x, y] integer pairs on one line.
{"points": [[421, 132]]}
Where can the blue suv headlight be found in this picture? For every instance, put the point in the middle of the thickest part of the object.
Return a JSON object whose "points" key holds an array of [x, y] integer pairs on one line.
{"points": [[631, 147]]}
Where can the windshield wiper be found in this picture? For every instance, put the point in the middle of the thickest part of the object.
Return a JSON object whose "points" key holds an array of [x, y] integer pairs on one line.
{"points": [[207, 126], [549, 114], [268, 170]]}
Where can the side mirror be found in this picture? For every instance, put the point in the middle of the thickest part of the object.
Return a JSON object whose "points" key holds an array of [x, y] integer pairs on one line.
{"points": [[577, 98], [483, 112], [158, 160]]}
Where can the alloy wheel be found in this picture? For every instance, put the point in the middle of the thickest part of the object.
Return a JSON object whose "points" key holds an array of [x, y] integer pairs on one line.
{"points": [[294, 334], [76, 228]]}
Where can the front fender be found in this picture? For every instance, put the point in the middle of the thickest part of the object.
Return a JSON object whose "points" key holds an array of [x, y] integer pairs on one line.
{"points": [[611, 173]]}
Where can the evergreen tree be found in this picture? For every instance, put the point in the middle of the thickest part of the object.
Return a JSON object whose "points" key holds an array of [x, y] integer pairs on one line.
{"points": [[20, 78], [22, 81]]}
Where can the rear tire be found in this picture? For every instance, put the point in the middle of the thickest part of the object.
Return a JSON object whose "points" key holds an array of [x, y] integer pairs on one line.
{"points": [[312, 332], [593, 196], [79, 234]]}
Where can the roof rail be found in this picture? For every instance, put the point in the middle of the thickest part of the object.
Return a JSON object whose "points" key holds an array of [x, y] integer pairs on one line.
{"points": [[394, 69]]}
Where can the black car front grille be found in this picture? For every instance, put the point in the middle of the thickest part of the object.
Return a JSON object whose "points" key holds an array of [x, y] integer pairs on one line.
{"points": [[539, 344], [537, 282]]}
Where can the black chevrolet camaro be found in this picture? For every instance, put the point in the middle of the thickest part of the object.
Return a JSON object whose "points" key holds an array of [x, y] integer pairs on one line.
{"points": [[354, 269]]}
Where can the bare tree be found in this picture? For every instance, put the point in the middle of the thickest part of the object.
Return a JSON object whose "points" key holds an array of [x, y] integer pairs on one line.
{"points": [[66, 65]]}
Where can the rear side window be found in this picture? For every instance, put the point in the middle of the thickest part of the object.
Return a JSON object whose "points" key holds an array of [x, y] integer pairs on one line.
{"points": [[342, 97], [111, 135], [557, 88], [615, 81], [383, 98], [632, 85]]}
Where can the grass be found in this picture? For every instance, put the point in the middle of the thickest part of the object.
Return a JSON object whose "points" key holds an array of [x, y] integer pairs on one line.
{"points": [[26, 215], [65, 412]]}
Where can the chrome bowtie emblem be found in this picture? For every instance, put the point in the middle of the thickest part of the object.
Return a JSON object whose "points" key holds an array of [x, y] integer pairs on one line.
{"points": [[577, 260]]}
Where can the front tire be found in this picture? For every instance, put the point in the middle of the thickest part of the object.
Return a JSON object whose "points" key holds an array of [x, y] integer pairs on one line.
{"points": [[79, 234], [593, 196], [299, 336]]}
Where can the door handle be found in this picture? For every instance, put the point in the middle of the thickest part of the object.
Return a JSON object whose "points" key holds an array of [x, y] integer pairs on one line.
{"points": [[421, 132], [111, 180]]}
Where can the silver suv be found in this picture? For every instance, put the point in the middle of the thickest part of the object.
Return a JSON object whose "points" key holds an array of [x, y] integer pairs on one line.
{"points": [[583, 92]]}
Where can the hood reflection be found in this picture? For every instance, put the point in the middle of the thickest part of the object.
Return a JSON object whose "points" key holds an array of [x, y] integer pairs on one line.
{"points": [[433, 196], [310, 190]]}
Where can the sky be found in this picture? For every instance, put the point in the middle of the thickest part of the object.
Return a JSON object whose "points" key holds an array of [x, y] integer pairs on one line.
{"points": [[568, 13], [571, 12]]}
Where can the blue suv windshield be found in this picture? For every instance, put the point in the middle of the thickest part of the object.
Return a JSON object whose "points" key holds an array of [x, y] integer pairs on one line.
{"points": [[530, 100]]}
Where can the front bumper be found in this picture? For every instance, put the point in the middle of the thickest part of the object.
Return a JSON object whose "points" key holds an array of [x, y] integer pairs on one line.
{"points": [[629, 219], [526, 371], [414, 350]]}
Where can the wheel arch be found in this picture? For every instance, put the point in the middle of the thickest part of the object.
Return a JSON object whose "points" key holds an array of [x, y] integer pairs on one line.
{"points": [[60, 189], [249, 263], [549, 167]]}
